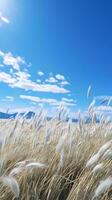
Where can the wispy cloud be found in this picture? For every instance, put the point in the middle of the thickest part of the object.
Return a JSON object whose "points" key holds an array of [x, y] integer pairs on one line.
{"points": [[8, 98], [63, 83], [51, 80], [100, 98], [67, 100], [7, 78], [21, 80], [4, 19], [22, 75], [17, 78], [60, 77], [103, 108], [40, 73], [38, 81], [53, 102], [10, 60], [31, 85]]}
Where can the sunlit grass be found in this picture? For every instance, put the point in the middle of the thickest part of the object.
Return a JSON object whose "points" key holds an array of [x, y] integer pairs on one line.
{"points": [[55, 160]]}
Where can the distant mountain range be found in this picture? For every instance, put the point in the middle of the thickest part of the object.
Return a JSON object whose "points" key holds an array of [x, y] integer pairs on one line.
{"points": [[13, 115], [31, 114]]}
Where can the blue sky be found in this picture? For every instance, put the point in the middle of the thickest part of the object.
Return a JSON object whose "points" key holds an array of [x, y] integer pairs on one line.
{"points": [[51, 51]]}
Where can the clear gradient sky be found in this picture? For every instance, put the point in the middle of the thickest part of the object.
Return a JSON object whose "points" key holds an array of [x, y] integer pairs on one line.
{"points": [[52, 50]]}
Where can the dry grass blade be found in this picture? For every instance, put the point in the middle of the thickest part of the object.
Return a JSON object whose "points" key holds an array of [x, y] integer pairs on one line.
{"points": [[88, 91], [56, 160], [103, 186], [35, 165], [12, 184]]}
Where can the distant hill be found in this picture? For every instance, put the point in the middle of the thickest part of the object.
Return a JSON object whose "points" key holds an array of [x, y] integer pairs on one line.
{"points": [[13, 115], [31, 114], [7, 115]]}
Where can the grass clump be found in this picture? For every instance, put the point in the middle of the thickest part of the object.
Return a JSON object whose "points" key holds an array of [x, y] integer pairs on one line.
{"points": [[55, 160]]}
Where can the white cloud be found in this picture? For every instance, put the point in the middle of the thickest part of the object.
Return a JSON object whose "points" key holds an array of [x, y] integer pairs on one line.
{"points": [[20, 80], [51, 80], [40, 73], [38, 99], [10, 60], [38, 81], [67, 104], [63, 83], [9, 98], [16, 78], [104, 99], [30, 85], [60, 77], [21, 75], [4, 19], [7, 78], [103, 108], [67, 100], [52, 102]]}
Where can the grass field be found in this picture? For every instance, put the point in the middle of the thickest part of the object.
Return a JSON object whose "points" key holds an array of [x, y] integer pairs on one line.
{"points": [[55, 160]]}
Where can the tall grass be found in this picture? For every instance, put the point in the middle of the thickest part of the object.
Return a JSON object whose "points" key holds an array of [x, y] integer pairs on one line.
{"points": [[55, 160]]}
